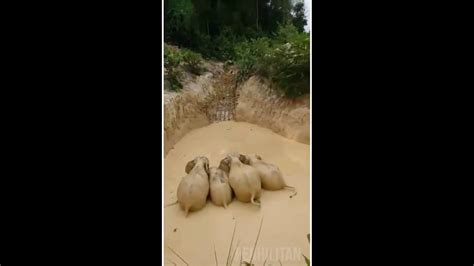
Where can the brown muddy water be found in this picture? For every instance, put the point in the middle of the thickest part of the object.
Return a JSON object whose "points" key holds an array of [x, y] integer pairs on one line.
{"points": [[286, 221]]}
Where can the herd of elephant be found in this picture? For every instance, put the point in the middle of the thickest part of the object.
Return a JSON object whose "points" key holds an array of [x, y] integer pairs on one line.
{"points": [[241, 175]]}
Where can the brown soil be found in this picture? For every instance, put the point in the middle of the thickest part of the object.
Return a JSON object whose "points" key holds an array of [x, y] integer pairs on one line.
{"points": [[286, 220]]}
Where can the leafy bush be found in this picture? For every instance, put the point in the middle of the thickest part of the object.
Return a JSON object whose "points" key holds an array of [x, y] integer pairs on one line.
{"points": [[192, 61], [244, 60], [173, 59], [248, 56], [203, 44], [283, 59], [289, 62], [220, 47]]}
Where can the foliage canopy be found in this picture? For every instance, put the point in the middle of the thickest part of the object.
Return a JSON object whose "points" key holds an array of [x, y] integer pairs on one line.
{"points": [[264, 37]]}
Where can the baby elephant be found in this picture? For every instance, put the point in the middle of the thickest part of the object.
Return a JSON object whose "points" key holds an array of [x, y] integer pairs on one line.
{"points": [[270, 176], [243, 179], [221, 193], [194, 187]]}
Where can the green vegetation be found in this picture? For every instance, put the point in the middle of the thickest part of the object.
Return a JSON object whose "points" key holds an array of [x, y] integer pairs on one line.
{"points": [[192, 61], [283, 59], [176, 59], [298, 19], [262, 37], [173, 60]]}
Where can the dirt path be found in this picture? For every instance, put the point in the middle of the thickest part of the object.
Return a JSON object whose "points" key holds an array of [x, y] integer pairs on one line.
{"points": [[224, 108], [286, 220]]}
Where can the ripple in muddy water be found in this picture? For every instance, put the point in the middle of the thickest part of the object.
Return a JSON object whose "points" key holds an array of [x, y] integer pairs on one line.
{"points": [[286, 220]]}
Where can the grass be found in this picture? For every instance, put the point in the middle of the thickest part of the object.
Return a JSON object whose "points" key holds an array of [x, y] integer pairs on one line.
{"points": [[258, 235], [231, 241], [178, 255], [228, 263], [236, 247], [240, 259]]}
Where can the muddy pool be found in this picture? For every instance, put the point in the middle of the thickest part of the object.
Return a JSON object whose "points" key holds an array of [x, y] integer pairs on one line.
{"points": [[286, 220]]}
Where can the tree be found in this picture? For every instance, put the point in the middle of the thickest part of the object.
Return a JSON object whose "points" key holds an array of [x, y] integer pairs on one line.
{"points": [[257, 15], [178, 20], [203, 12], [298, 17], [212, 27]]}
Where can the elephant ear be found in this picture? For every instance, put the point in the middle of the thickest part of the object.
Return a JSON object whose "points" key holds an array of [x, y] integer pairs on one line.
{"points": [[244, 159], [189, 166], [224, 165]]}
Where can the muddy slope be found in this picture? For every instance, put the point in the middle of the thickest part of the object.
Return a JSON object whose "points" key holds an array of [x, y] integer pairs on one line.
{"points": [[259, 104], [213, 96], [185, 111]]}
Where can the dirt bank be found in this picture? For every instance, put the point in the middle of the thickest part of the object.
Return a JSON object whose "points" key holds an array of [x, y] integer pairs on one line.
{"points": [[188, 109], [286, 220], [207, 98], [259, 104]]}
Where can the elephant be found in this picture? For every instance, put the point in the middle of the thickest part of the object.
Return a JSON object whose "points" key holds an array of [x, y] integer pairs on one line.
{"points": [[193, 189], [243, 179], [270, 175], [221, 192]]}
